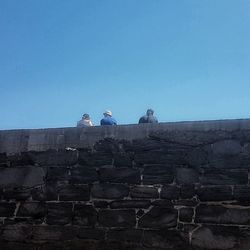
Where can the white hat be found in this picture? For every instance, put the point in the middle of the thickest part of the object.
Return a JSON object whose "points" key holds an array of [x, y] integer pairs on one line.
{"points": [[108, 112]]}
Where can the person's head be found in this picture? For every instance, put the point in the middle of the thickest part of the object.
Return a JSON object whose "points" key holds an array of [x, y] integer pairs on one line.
{"points": [[150, 112], [107, 113], [85, 117]]}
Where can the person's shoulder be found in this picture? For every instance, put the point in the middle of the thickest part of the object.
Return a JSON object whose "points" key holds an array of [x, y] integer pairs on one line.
{"points": [[79, 123], [143, 119], [102, 121]]}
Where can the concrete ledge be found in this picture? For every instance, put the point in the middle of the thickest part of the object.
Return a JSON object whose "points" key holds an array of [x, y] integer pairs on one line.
{"points": [[14, 141]]}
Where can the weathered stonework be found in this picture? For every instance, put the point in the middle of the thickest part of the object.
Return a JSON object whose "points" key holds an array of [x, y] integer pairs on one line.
{"points": [[169, 186]]}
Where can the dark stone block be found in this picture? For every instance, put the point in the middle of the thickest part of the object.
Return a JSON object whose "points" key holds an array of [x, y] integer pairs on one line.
{"points": [[158, 157], [222, 215], [59, 213], [187, 228], [117, 218], [94, 159], [18, 194], [108, 145], [45, 193], [187, 176], [22, 177], [90, 233], [3, 158], [144, 192], [122, 235], [74, 193], [35, 210], [163, 203], [123, 160], [21, 159], [23, 221], [158, 174], [215, 238], [193, 138], [227, 147], [130, 204], [158, 218], [120, 175], [165, 239], [7, 209], [16, 233], [52, 233], [244, 239], [109, 191], [197, 157], [240, 161], [58, 174], [242, 193], [54, 157], [224, 177], [145, 145], [83, 175], [215, 193], [101, 204], [187, 191], [187, 203], [186, 214], [170, 192], [84, 215]]}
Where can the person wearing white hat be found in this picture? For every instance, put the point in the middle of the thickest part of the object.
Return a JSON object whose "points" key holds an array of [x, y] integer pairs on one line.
{"points": [[108, 119]]}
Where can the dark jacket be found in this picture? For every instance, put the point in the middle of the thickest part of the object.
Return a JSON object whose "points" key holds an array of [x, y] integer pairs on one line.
{"points": [[148, 119]]}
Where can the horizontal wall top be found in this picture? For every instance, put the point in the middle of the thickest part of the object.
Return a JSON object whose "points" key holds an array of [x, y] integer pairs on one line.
{"points": [[14, 141]]}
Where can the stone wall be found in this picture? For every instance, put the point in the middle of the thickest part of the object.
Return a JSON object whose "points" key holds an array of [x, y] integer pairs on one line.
{"points": [[140, 187]]}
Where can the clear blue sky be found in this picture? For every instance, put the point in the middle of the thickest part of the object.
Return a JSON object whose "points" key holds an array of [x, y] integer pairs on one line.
{"points": [[186, 59]]}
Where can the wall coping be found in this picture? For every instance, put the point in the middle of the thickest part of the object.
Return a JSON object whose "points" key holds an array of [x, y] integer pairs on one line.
{"points": [[21, 140]]}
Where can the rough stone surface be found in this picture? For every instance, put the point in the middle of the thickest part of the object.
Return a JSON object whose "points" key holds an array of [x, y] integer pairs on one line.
{"points": [[21, 176], [120, 175], [178, 186], [32, 209], [158, 218], [83, 175], [170, 192], [186, 214], [7, 209], [84, 215], [74, 193], [215, 193], [153, 174], [59, 213], [224, 177], [109, 191], [130, 204], [242, 193], [144, 192], [187, 176], [117, 218], [215, 238], [222, 214], [54, 157], [130, 235], [165, 239]]}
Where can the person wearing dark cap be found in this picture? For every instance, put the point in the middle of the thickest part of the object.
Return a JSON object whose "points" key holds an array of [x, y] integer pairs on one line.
{"points": [[85, 121], [108, 119], [149, 117]]}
